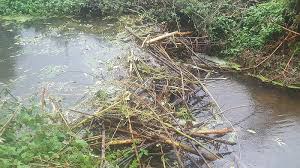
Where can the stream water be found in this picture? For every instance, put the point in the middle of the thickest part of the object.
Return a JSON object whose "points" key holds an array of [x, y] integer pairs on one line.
{"points": [[70, 58], [267, 120], [67, 58]]}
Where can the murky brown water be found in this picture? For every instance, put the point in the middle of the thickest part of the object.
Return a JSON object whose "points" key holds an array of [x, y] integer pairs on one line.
{"points": [[268, 124]]}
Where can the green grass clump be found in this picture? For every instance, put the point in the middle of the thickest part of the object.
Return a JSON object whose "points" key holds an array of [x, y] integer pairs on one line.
{"points": [[33, 138]]}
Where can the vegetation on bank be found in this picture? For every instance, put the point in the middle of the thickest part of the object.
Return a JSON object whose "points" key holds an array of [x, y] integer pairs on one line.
{"points": [[235, 25], [253, 33], [32, 137]]}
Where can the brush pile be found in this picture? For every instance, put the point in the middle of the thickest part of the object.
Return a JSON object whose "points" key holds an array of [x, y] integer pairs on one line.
{"points": [[164, 110]]}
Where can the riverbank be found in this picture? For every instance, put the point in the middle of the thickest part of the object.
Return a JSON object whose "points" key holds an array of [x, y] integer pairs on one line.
{"points": [[261, 36], [158, 90], [162, 108]]}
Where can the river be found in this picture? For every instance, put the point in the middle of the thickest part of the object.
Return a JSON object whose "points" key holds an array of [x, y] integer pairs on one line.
{"points": [[67, 58], [267, 120], [71, 59]]}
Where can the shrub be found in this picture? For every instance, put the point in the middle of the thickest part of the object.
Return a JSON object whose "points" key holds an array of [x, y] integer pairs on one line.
{"points": [[259, 25], [34, 139], [40, 7]]}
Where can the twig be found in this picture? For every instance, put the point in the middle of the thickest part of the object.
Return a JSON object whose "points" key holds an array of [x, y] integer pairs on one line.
{"points": [[145, 40], [134, 145], [268, 57], [103, 146], [97, 114], [58, 109], [123, 142], [43, 101], [3, 128], [288, 63], [289, 30], [162, 158]]}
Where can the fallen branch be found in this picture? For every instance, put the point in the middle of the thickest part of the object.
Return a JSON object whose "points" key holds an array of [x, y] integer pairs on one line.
{"points": [[289, 30], [58, 109], [3, 128], [218, 132], [268, 57], [123, 142], [187, 148], [215, 140], [166, 36], [103, 146]]}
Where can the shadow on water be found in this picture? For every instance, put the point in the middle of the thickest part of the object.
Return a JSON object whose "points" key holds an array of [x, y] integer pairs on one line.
{"points": [[8, 50], [268, 123]]}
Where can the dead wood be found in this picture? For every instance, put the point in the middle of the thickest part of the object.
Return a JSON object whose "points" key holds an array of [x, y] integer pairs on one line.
{"points": [[205, 132], [148, 109], [161, 37]]}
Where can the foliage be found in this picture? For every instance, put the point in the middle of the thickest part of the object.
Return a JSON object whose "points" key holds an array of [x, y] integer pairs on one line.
{"points": [[40, 7], [238, 24], [259, 25], [183, 113], [115, 156], [35, 139]]}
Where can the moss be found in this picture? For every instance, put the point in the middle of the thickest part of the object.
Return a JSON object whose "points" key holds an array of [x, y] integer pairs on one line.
{"points": [[275, 83], [17, 18], [233, 65]]}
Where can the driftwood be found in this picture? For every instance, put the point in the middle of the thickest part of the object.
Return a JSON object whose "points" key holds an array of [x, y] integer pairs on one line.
{"points": [[176, 33]]}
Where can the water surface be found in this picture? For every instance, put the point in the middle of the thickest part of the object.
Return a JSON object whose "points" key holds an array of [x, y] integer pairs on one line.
{"points": [[64, 56], [268, 123]]}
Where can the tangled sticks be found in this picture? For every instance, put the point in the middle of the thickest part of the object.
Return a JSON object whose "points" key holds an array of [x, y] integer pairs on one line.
{"points": [[156, 112]]}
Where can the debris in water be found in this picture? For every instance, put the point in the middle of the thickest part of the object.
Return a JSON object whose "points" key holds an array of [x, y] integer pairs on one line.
{"points": [[251, 131], [279, 141]]}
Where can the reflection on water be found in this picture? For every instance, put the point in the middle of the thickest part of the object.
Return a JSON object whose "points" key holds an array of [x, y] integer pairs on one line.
{"points": [[268, 123], [7, 51], [63, 58]]}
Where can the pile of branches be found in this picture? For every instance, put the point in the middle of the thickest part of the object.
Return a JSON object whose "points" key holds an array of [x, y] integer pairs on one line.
{"points": [[158, 108]]}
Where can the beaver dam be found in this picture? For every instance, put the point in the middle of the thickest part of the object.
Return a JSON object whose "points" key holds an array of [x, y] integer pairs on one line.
{"points": [[150, 100]]}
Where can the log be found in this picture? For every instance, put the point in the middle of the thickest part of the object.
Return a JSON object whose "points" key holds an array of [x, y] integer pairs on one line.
{"points": [[206, 155], [217, 132], [166, 36], [215, 140], [123, 142]]}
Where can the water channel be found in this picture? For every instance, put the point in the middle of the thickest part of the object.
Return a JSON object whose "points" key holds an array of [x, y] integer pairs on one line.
{"points": [[70, 58]]}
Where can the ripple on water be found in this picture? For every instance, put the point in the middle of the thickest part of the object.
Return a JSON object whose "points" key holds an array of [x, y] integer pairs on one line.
{"points": [[273, 115], [62, 56]]}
